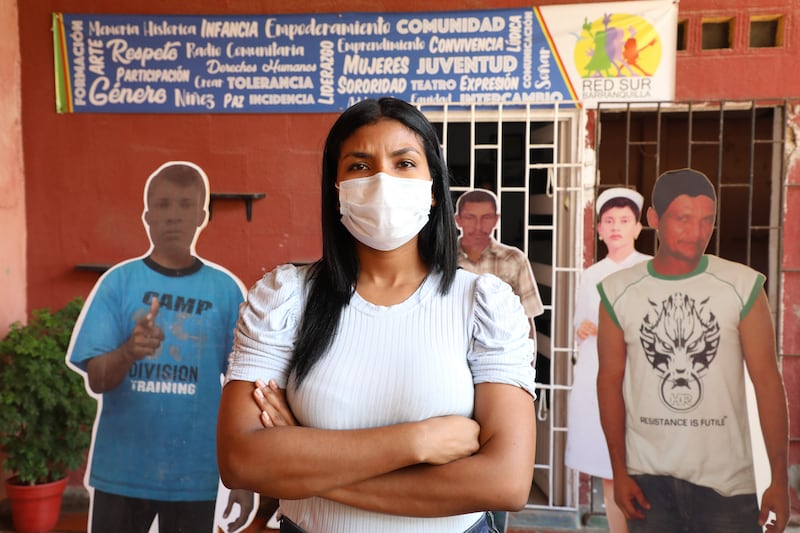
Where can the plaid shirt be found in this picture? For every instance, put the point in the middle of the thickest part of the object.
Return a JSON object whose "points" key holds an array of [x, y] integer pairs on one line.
{"points": [[510, 265]]}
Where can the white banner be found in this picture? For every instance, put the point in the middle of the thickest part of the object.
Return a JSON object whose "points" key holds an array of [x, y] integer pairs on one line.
{"points": [[615, 51]]}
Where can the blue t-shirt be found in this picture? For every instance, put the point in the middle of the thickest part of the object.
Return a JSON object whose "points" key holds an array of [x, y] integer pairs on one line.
{"points": [[155, 432]]}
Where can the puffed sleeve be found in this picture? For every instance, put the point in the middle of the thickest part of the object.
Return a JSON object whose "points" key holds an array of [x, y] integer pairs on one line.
{"points": [[267, 327], [501, 351]]}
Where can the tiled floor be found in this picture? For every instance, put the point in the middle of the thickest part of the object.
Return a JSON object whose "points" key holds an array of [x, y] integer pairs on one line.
{"points": [[74, 521]]}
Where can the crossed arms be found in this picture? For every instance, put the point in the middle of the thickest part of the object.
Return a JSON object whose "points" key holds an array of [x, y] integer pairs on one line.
{"points": [[436, 467]]}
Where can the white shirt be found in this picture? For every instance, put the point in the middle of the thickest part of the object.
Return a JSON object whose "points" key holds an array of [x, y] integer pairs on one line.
{"points": [[684, 387], [387, 364]]}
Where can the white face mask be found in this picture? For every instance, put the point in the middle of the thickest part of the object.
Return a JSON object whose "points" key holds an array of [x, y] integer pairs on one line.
{"points": [[384, 212]]}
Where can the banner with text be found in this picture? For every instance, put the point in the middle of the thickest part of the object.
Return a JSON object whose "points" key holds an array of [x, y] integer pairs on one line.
{"points": [[327, 62]]}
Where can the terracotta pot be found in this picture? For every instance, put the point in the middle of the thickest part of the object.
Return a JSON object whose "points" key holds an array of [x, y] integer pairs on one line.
{"points": [[35, 508]]}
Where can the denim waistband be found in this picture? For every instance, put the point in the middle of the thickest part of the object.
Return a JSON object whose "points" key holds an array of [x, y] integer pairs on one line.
{"points": [[481, 526]]}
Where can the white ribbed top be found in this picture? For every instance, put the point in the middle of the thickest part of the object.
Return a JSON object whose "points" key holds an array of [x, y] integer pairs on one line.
{"points": [[406, 362]]}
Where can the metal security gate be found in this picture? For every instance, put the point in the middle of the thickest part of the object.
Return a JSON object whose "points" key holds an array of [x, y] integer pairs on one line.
{"points": [[537, 159], [739, 146], [531, 156]]}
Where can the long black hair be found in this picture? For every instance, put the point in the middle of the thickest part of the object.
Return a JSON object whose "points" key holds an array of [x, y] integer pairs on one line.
{"points": [[333, 277]]}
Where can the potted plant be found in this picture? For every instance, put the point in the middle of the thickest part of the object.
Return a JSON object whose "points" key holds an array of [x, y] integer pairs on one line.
{"points": [[46, 415]]}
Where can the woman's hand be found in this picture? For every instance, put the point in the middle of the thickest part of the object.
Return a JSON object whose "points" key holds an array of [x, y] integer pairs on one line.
{"points": [[586, 329], [271, 401], [444, 439]]}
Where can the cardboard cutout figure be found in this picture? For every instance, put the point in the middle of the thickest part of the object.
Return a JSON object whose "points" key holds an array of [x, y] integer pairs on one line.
{"points": [[152, 343], [477, 215], [618, 212]]}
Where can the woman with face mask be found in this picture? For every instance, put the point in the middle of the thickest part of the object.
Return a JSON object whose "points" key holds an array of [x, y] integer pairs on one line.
{"points": [[381, 388], [618, 226]]}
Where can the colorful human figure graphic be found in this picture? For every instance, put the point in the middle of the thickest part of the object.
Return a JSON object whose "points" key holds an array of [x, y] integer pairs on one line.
{"points": [[612, 53], [152, 343]]}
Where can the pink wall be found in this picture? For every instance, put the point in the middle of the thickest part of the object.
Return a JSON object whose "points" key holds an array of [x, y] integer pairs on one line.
{"points": [[12, 182], [12, 190]]}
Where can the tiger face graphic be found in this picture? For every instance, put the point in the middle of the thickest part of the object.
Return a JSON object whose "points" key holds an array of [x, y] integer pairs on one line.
{"points": [[680, 340]]}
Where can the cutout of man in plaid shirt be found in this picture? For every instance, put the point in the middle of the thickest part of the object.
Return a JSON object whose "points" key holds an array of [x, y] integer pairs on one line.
{"points": [[478, 251]]}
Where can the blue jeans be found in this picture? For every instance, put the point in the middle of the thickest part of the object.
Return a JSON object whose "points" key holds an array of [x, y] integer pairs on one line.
{"points": [[678, 506], [500, 519], [484, 525]]}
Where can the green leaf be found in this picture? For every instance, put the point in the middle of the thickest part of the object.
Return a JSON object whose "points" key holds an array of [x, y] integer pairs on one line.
{"points": [[46, 415]]}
